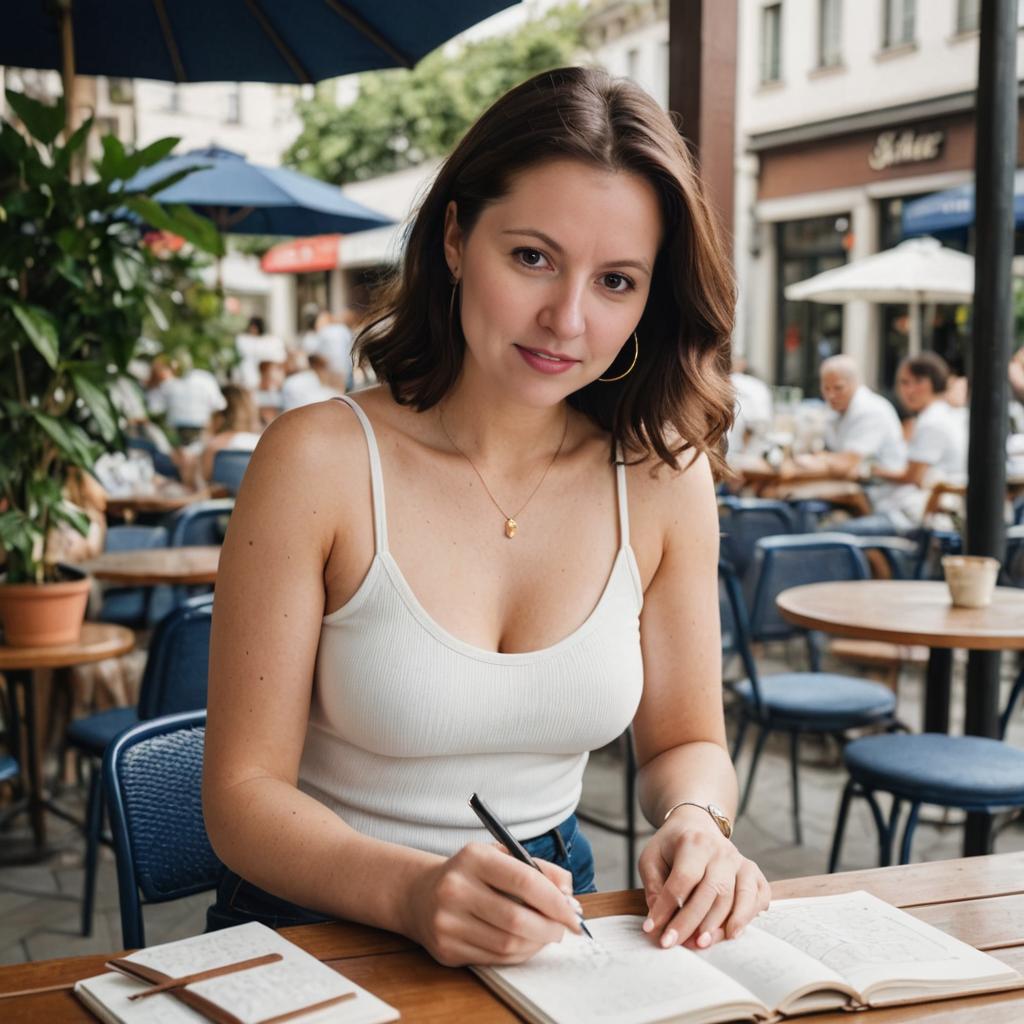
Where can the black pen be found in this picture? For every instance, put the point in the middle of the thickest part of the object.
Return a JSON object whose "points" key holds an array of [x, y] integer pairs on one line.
{"points": [[490, 822]]}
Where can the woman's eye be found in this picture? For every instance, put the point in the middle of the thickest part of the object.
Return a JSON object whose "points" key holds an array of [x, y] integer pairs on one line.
{"points": [[618, 283], [529, 257]]}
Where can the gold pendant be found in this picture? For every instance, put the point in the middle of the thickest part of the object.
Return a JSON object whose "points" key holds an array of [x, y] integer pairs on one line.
{"points": [[511, 527]]}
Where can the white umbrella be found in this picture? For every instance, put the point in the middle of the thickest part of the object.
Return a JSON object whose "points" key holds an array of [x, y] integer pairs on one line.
{"points": [[917, 271]]}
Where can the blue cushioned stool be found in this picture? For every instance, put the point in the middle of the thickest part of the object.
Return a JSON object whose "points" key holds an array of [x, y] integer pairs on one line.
{"points": [[972, 773]]}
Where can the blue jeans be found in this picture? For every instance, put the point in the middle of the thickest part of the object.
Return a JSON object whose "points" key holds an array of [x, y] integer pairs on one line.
{"points": [[239, 901]]}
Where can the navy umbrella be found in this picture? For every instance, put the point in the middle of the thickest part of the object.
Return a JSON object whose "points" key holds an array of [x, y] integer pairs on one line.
{"points": [[953, 210], [249, 199], [297, 41]]}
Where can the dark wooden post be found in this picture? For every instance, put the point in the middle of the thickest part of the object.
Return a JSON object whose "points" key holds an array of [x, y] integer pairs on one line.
{"points": [[994, 163], [702, 90]]}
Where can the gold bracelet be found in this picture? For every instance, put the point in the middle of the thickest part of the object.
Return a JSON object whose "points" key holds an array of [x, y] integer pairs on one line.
{"points": [[718, 816]]}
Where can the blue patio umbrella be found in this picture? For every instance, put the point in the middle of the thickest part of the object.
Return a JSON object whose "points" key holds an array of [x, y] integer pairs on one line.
{"points": [[953, 209], [297, 41], [249, 199]]}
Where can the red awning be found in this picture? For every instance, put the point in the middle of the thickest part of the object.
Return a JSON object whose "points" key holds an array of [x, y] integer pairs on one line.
{"points": [[303, 255]]}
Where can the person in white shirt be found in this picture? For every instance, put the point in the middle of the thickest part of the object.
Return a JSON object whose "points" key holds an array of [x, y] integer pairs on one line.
{"points": [[936, 450], [188, 401], [308, 386], [334, 343], [255, 346], [753, 404], [862, 428]]}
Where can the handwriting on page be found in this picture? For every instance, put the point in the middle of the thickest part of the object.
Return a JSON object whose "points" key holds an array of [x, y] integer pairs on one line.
{"points": [[845, 938]]}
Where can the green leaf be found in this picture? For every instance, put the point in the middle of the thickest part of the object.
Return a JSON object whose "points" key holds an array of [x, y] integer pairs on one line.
{"points": [[179, 220], [127, 271], [44, 122], [41, 329], [157, 314], [97, 402], [152, 154], [63, 161], [65, 512], [113, 165]]}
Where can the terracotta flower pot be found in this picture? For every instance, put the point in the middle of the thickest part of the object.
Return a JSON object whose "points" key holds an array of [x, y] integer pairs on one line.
{"points": [[44, 614]]}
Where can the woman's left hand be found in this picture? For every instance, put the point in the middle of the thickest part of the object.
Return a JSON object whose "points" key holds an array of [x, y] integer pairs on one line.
{"points": [[699, 887]]}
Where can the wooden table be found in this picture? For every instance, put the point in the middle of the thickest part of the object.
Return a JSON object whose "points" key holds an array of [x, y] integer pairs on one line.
{"points": [[980, 901], [151, 567], [914, 612], [156, 501], [767, 481], [98, 641]]}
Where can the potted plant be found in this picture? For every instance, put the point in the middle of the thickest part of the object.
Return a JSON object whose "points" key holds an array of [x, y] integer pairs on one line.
{"points": [[75, 288]]}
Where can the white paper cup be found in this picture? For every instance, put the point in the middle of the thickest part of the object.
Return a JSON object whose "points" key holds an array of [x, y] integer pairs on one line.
{"points": [[971, 579]]}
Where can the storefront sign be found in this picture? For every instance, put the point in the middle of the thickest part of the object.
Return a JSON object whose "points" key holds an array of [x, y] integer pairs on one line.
{"points": [[303, 255], [905, 147]]}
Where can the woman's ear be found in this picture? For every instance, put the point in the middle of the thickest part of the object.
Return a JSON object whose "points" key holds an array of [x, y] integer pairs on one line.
{"points": [[453, 240]]}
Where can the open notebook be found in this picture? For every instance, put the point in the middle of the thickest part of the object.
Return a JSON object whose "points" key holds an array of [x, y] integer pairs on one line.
{"points": [[297, 980], [801, 956]]}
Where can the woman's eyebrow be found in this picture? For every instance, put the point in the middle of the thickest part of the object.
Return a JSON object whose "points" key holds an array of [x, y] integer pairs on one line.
{"points": [[641, 265]]}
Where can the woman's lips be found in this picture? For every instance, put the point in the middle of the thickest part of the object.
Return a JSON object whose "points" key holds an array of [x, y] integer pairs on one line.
{"points": [[545, 363]]}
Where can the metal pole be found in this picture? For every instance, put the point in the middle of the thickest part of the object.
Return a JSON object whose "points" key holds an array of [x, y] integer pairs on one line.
{"points": [[995, 162]]}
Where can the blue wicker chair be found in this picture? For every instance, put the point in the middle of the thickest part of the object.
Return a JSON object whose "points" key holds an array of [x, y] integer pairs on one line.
{"points": [[152, 777], [174, 681]]}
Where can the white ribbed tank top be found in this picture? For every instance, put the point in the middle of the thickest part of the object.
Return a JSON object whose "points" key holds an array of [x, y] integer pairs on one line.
{"points": [[407, 721]]}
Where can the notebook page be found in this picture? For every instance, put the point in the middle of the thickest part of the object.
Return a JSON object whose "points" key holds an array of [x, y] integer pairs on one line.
{"points": [[868, 941], [297, 980], [773, 970], [621, 976]]}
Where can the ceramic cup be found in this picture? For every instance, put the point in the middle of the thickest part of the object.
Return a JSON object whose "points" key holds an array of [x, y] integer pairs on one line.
{"points": [[971, 579]]}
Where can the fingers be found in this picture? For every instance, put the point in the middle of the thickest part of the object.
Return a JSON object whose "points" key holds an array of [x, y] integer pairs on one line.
{"points": [[561, 877], [710, 892]]}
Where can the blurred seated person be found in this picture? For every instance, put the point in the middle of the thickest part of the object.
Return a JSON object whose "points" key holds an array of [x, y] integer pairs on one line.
{"points": [[334, 343], [237, 425], [936, 450], [254, 346], [186, 396], [862, 427], [311, 385], [268, 394], [753, 412]]}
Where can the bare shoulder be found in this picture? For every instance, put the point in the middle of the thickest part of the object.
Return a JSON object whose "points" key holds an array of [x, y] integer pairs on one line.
{"points": [[669, 494]]}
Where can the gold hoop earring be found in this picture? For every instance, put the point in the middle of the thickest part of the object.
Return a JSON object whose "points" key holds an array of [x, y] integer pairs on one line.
{"points": [[636, 355]]}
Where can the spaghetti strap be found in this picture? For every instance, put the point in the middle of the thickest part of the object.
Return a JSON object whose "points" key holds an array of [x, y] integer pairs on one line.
{"points": [[380, 522], [620, 487]]}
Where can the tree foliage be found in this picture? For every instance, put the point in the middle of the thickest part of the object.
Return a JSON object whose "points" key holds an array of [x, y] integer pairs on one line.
{"points": [[400, 118]]}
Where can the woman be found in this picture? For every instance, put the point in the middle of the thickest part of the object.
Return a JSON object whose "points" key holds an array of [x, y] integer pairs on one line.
{"points": [[237, 426], [488, 594]]}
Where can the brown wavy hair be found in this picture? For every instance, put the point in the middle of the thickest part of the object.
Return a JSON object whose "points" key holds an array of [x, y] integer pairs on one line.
{"points": [[678, 396]]}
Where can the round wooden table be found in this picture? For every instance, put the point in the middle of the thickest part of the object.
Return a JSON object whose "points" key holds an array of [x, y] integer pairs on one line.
{"points": [[98, 641], [152, 567], [915, 612], [159, 501]]}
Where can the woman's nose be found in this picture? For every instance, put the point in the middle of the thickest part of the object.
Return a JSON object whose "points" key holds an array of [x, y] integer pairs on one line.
{"points": [[563, 313]]}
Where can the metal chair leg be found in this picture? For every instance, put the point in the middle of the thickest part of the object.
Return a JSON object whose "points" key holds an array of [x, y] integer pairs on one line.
{"points": [[837, 838], [630, 811], [884, 828], [94, 825], [755, 757], [794, 781], [741, 735], [908, 832]]}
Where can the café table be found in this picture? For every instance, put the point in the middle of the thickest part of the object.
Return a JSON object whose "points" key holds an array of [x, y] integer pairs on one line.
{"points": [[97, 642], [765, 480], [914, 612], [979, 901], [152, 567], [156, 501]]}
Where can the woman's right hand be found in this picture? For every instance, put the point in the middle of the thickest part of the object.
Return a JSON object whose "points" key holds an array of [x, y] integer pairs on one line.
{"points": [[461, 913]]}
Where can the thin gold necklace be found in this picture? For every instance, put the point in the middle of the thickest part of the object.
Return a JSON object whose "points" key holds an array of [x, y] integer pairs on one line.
{"points": [[511, 526]]}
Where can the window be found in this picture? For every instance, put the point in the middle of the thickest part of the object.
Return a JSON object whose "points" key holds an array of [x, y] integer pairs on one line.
{"points": [[830, 13], [771, 43], [234, 102], [121, 90], [898, 24], [968, 15]]}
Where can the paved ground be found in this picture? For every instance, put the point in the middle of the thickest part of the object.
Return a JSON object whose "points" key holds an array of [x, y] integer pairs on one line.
{"points": [[39, 904]]}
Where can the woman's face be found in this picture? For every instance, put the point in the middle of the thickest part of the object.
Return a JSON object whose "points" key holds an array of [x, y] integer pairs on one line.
{"points": [[555, 277], [914, 392]]}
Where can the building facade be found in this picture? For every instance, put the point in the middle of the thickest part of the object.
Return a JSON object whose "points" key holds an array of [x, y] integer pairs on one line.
{"points": [[847, 110]]}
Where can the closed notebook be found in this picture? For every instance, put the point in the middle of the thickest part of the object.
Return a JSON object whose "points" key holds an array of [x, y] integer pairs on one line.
{"points": [[801, 956], [297, 980]]}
